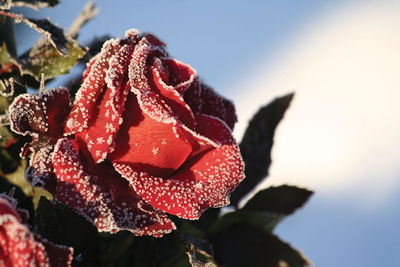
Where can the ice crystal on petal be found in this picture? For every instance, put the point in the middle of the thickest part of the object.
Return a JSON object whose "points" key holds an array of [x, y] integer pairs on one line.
{"points": [[204, 100], [97, 192], [21, 248], [206, 181], [90, 90], [42, 116], [40, 113]]}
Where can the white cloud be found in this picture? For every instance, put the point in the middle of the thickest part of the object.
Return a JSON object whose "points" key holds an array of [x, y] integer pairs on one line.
{"points": [[341, 135]]}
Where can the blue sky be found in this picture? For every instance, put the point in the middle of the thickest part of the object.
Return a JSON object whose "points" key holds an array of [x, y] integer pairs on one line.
{"points": [[340, 136]]}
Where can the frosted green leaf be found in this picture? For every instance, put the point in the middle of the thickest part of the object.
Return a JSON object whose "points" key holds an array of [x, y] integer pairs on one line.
{"points": [[44, 58], [35, 4]]}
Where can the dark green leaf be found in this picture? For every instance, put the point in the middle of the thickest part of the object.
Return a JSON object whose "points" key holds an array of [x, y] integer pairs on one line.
{"points": [[199, 252], [246, 245], [143, 252], [61, 225], [44, 58], [55, 35], [172, 252], [184, 250], [8, 162], [5, 4], [17, 175], [264, 220], [283, 199], [7, 34], [6, 58], [24, 201], [257, 143], [208, 218], [35, 4]]}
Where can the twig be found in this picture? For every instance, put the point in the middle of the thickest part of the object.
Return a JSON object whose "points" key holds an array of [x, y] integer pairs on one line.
{"points": [[88, 12]]}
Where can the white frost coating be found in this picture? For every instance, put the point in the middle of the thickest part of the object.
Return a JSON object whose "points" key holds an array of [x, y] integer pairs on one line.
{"points": [[183, 85], [132, 33], [92, 87], [28, 108], [98, 205]]}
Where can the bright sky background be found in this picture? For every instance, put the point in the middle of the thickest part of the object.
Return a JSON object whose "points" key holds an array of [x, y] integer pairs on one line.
{"points": [[341, 135]]}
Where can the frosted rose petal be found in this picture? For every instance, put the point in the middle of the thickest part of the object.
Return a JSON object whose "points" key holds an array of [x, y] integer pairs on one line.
{"points": [[101, 195], [149, 145], [90, 90], [40, 171], [171, 77], [204, 100], [40, 113], [104, 124], [180, 75], [59, 256], [206, 180], [149, 101], [21, 248]]}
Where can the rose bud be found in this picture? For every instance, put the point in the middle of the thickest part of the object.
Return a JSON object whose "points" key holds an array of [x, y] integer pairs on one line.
{"points": [[19, 247]]}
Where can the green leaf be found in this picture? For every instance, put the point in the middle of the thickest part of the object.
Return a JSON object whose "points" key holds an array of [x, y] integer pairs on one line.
{"points": [[199, 252], [55, 35], [184, 250], [24, 201], [5, 4], [264, 220], [172, 251], [257, 143], [35, 4], [143, 252], [246, 245], [9, 162], [61, 225], [17, 177], [5, 57], [7, 35], [44, 58], [283, 199]]}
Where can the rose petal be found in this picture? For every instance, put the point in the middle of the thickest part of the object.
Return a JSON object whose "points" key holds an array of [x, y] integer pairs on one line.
{"points": [[59, 256], [40, 171], [138, 71], [171, 78], [90, 90], [181, 75], [104, 123], [101, 195], [20, 248], [40, 113], [204, 100], [8, 206], [206, 180], [149, 101], [148, 145]]}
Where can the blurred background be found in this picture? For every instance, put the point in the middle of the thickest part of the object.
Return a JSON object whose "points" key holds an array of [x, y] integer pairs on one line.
{"points": [[340, 137]]}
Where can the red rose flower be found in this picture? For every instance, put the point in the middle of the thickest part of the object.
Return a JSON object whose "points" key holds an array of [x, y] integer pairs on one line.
{"points": [[19, 247], [144, 138]]}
